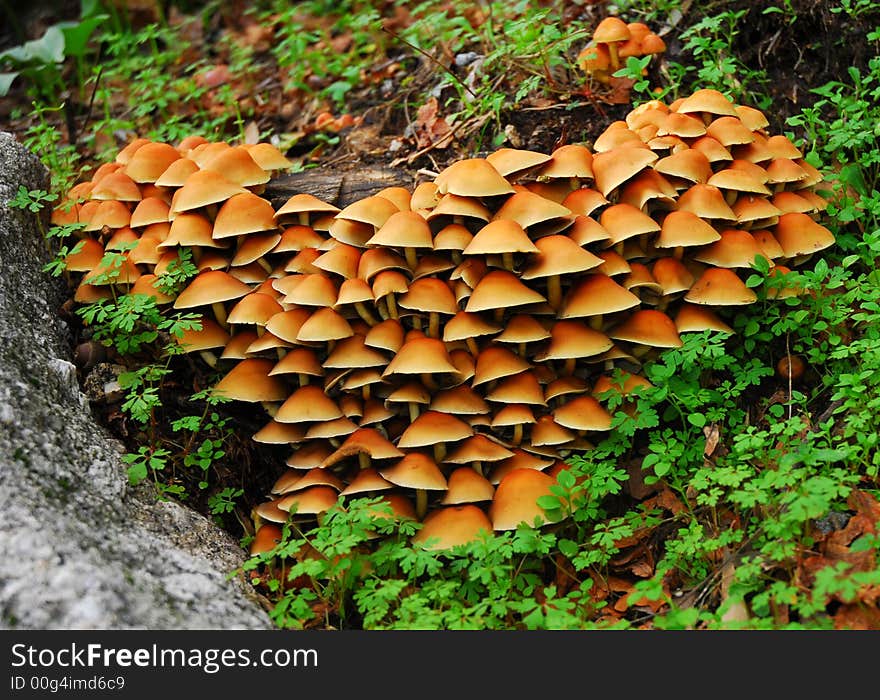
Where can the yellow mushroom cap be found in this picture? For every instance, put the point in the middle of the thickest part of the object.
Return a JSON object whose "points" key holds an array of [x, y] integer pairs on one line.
{"points": [[798, 234], [648, 327], [151, 160], [244, 213], [472, 177], [720, 286], [416, 471], [452, 526], [516, 498], [309, 403], [249, 381], [209, 287], [202, 188]]}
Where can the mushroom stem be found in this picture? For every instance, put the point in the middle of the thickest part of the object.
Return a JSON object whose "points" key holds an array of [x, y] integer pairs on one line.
{"points": [[392, 306], [416, 322], [365, 314], [365, 392], [596, 322], [507, 261], [411, 260], [210, 358], [678, 252], [554, 291], [303, 379], [413, 411], [421, 503], [303, 218], [262, 262], [730, 197], [434, 325], [568, 368], [439, 451], [613, 55], [429, 382], [220, 313], [364, 460], [517, 434], [271, 408], [382, 307], [478, 466], [472, 346]]}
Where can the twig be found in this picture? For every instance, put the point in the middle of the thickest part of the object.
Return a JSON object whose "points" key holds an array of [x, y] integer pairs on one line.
{"points": [[432, 59], [790, 372], [88, 116]]}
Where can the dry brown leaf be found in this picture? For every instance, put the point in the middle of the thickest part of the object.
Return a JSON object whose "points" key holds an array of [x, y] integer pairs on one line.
{"points": [[738, 611], [431, 130], [257, 37], [618, 92], [643, 568], [857, 617], [712, 434], [635, 484], [251, 133], [214, 76], [865, 504], [667, 500]]}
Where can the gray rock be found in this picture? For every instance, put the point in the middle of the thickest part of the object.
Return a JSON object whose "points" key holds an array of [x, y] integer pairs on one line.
{"points": [[79, 547]]}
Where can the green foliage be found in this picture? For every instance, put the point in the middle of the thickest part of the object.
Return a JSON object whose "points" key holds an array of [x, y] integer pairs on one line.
{"points": [[224, 500], [306, 55], [39, 61], [144, 462], [854, 8], [492, 583], [33, 200], [635, 69], [208, 434], [650, 11], [44, 138], [132, 321], [178, 273], [749, 468], [710, 42]]}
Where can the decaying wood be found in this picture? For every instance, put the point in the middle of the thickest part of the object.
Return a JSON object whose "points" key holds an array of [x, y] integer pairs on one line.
{"points": [[338, 187]]}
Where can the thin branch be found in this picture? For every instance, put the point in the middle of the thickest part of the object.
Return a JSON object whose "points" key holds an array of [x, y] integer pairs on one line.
{"points": [[432, 59]]}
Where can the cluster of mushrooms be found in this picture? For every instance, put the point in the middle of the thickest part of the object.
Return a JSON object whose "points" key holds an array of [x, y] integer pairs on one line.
{"points": [[446, 348], [613, 42]]}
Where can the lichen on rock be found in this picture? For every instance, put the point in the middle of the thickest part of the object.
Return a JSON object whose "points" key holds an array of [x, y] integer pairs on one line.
{"points": [[79, 547]]}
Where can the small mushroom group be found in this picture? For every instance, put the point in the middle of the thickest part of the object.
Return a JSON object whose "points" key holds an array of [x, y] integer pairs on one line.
{"points": [[446, 348], [614, 41]]}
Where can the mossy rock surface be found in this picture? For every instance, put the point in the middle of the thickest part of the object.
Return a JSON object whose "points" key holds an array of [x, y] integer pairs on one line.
{"points": [[80, 548]]}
